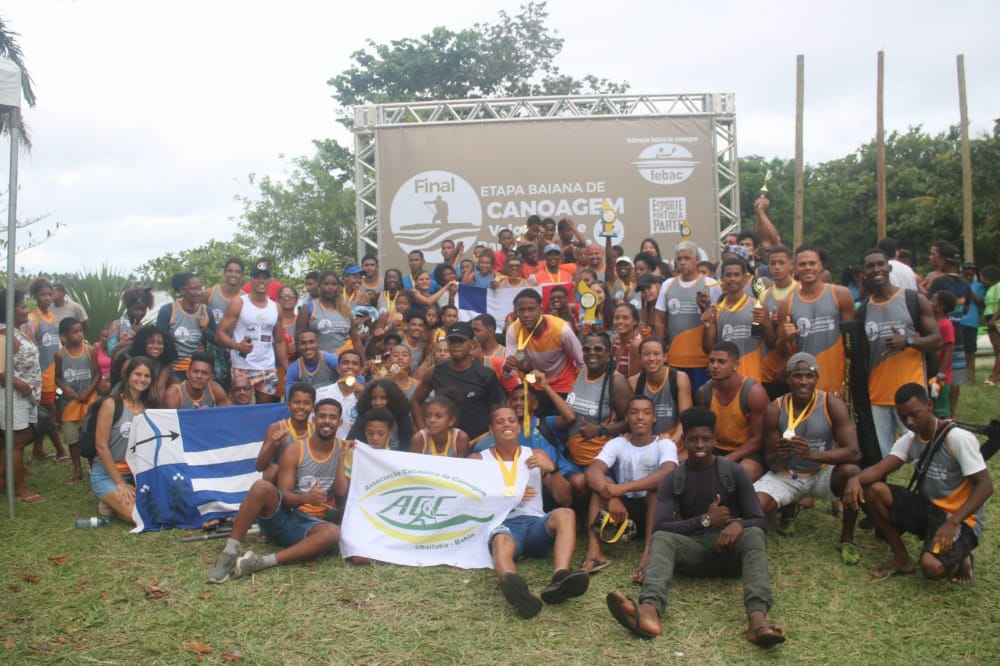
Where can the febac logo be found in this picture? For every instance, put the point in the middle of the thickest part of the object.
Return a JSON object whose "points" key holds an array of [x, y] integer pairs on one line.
{"points": [[433, 206], [665, 163], [418, 509]]}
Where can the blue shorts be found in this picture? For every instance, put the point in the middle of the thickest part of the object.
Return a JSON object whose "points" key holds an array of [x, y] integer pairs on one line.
{"points": [[287, 526], [698, 376], [531, 536], [101, 482]]}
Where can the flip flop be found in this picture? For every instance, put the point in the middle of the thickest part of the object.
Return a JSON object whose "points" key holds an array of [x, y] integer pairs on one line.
{"points": [[630, 622], [32, 499], [73, 480], [596, 566], [766, 635], [849, 554], [65, 459], [639, 575], [883, 571]]}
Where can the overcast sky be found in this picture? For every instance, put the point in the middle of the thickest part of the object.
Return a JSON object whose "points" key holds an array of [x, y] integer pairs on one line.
{"points": [[150, 115]]}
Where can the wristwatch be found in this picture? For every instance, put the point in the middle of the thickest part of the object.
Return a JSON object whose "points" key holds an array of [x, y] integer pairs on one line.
{"points": [[706, 521], [910, 340]]}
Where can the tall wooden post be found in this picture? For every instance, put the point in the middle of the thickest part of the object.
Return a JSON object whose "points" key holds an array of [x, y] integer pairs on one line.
{"points": [[880, 148], [966, 163], [800, 77]]}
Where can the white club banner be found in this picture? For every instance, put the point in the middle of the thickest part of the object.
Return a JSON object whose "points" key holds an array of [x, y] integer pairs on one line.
{"points": [[421, 510]]}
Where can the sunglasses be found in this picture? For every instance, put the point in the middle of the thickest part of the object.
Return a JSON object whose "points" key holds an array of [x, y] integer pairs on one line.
{"points": [[242, 389], [596, 349]]}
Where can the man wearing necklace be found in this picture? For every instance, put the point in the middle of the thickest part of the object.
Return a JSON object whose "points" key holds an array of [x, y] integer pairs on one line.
{"points": [[895, 344], [290, 512], [944, 505], [528, 531], [811, 448], [476, 386], [707, 522], [779, 264], [732, 319], [542, 343], [551, 272], [198, 390]]}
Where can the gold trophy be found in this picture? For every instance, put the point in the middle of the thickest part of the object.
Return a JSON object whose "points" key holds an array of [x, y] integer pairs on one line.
{"points": [[608, 219], [767, 177], [758, 286]]}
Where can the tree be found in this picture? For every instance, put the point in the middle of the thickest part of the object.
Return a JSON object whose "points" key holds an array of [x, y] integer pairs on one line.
{"points": [[207, 260], [10, 49]]}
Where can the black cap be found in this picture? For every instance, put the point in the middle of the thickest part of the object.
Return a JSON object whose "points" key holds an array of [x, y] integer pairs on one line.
{"points": [[392, 335], [648, 280], [461, 330], [261, 266]]}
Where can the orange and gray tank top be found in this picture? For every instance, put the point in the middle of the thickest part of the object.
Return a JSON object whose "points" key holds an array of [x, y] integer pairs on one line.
{"points": [[815, 428], [771, 362], [315, 471], [186, 328], [818, 321], [663, 403], [736, 326], [46, 337], [331, 326], [187, 402], [684, 324], [449, 447], [889, 369]]}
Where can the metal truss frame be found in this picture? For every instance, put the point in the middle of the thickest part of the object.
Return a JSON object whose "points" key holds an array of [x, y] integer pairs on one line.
{"points": [[720, 107]]}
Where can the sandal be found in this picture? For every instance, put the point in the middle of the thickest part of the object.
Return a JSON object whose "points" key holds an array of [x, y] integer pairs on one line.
{"points": [[766, 635], [849, 554], [593, 565], [75, 479], [630, 622], [32, 499]]}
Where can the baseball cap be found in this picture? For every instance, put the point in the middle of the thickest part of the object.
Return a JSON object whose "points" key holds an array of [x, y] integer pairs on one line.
{"points": [[648, 280], [261, 266], [623, 260], [552, 247], [969, 265], [392, 335], [802, 357], [353, 270], [461, 330]]}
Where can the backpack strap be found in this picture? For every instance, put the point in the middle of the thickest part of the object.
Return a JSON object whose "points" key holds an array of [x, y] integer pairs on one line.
{"points": [[745, 388], [640, 383], [724, 471], [672, 379], [704, 394], [923, 463], [680, 482]]}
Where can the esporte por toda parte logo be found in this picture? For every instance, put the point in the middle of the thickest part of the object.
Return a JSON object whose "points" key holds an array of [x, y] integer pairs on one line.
{"points": [[665, 163], [422, 509], [433, 206]]}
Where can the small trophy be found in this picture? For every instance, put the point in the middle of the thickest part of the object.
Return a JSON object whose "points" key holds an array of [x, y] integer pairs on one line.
{"points": [[608, 219], [758, 287], [767, 177], [686, 230]]}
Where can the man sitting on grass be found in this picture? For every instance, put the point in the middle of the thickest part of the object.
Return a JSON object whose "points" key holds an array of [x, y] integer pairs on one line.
{"points": [[718, 531], [291, 513], [811, 447], [944, 504], [528, 531], [640, 459]]}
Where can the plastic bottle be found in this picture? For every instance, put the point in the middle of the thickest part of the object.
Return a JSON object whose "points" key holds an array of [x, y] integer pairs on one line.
{"points": [[93, 521]]}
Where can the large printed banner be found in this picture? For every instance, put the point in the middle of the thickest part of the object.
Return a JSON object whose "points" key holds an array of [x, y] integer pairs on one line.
{"points": [[466, 182], [193, 465], [421, 510]]}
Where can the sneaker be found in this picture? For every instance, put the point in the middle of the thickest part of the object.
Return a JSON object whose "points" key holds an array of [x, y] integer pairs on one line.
{"points": [[515, 591], [103, 510], [247, 564], [219, 573], [565, 585], [786, 526]]}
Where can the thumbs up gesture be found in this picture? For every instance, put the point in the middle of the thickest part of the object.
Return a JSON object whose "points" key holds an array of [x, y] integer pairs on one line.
{"points": [[718, 514], [897, 340], [788, 328]]}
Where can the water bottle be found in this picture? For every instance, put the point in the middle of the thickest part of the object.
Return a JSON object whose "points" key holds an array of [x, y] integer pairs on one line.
{"points": [[93, 521]]}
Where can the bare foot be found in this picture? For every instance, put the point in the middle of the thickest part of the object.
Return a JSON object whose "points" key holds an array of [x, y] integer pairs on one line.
{"points": [[966, 572], [649, 620]]}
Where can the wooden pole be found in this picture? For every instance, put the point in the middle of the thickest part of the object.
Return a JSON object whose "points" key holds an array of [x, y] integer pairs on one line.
{"points": [[800, 77], [966, 163], [880, 147]]}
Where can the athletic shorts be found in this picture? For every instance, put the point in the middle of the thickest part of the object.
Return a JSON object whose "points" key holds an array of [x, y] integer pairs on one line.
{"points": [[756, 457], [785, 488], [970, 336], [263, 381], [48, 399], [70, 431], [287, 526], [101, 482], [530, 534], [916, 515]]}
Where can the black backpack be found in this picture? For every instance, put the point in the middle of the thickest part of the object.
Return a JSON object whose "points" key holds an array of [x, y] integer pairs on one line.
{"points": [[723, 471], [88, 426]]}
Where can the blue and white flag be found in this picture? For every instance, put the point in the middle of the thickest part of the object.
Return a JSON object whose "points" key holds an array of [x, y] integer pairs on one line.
{"points": [[194, 465], [420, 510], [473, 301]]}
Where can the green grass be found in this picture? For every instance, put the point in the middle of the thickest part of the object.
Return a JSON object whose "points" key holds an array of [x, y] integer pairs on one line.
{"points": [[93, 608]]}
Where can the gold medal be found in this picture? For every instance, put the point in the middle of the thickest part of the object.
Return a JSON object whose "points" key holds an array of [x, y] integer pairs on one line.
{"points": [[793, 420], [789, 434], [349, 381], [393, 369], [530, 378], [509, 491], [509, 475]]}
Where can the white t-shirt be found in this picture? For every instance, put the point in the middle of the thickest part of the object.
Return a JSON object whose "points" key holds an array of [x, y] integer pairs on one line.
{"points": [[631, 462], [902, 275]]}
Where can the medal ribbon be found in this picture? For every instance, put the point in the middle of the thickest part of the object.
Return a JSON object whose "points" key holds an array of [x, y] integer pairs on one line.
{"points": [[509, 475], [793, 422], [739, 304]]}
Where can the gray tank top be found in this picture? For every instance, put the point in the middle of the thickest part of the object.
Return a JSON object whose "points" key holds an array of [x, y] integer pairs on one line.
{"points": [[736, 326], [665, 408], [207, 400], [682, 306], [818, 321], [585, 401], [120, 429], [186, 329], [815, 429], [46, 338], [322, 374], [311, 471], [217, 303], [77, 372], [332, 327], [880, 320]]}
